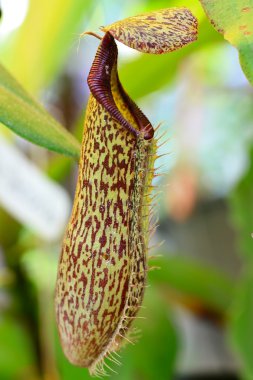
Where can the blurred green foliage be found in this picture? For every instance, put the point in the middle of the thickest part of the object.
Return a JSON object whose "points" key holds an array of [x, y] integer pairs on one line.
{"points": [[240, 327], [233, 20], [240, 324], [16, 357], [185, 275], [29, 120], [43, 41]]}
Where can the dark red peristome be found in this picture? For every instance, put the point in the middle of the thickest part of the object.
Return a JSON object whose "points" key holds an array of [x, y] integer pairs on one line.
{"points": [[99, 81]]}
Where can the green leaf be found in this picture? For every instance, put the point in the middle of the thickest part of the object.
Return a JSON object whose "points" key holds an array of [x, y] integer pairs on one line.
{"points": [[241, 323], [16, 351], [208, 285], [9, 82], [233, 19], [22, 114], [241, 210]]}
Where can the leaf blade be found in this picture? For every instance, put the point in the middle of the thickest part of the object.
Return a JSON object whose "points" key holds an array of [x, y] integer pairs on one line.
{"points": [[233, 19], [209, 286], [10, 83], [240, 323], [22, 114]]}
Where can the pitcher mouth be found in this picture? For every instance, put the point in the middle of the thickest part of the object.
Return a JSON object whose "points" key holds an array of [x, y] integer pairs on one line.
{"points": [[99, 82]]}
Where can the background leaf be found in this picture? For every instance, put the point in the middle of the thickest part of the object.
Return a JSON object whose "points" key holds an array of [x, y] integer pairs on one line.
{"points": [[233, 19], [16, 356], [199, 282], [240, 327], [241, 208], [241, 314], [20, 113]]}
